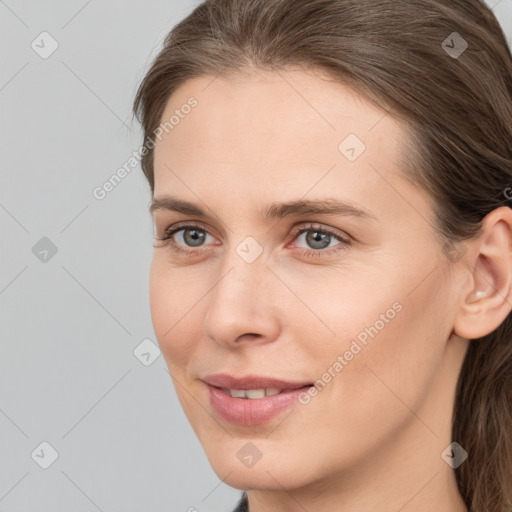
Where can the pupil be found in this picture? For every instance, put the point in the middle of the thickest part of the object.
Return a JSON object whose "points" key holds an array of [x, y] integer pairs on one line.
{"points": [[315, 237]]}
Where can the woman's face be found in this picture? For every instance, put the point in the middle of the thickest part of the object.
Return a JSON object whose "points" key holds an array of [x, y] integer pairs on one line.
{"points": [[358, 300]]}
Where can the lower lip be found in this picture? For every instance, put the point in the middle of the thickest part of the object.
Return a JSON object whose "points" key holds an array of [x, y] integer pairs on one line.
{"points": [[249, 411]]}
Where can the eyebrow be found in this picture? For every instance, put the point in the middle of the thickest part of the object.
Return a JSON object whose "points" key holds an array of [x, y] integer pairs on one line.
{"points": [[329, 206]]}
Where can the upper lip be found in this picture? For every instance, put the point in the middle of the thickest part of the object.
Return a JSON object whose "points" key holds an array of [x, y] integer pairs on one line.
{"points": [[222, 380]]}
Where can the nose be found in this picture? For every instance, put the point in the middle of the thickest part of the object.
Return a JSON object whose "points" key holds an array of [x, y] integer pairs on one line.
{"points": [[243, 305]]}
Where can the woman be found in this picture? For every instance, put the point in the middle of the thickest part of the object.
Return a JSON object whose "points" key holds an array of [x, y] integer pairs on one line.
{"points": [[331, 282]]}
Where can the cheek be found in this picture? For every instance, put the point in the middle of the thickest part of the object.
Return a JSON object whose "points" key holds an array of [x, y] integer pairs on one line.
{"points": [[398, 360], [175, 303]]}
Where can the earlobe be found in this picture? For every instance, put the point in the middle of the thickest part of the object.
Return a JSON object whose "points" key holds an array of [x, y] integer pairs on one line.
{"points": [[489, 301]]}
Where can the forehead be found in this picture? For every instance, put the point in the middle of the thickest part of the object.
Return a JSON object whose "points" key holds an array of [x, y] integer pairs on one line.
{"points": [[278, 115], [286, 133]]}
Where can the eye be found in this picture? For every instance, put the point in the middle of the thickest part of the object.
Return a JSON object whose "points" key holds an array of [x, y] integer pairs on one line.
{"points": [[189, 235], [186, 238], [193, 237], [318, 238]]}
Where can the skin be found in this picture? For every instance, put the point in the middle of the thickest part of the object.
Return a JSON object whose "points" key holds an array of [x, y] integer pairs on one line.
{"points": [[372, 439]]}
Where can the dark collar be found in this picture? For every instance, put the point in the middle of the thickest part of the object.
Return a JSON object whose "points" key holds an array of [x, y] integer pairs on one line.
{"points": [[243, 505]]}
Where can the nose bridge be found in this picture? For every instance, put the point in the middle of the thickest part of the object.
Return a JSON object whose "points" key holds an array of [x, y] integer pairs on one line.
{"points": [[242, 272], [240, 302]]}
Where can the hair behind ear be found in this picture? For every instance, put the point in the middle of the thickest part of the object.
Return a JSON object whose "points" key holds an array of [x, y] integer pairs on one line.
{"points": [[483, 411]]}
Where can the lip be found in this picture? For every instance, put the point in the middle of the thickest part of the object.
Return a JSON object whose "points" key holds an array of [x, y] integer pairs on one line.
{"points": [[245, 411]]}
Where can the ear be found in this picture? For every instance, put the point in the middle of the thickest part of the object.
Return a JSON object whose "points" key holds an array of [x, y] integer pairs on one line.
{"points": [[489, 299]]}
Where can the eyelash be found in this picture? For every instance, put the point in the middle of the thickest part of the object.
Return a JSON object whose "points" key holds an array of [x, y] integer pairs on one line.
{"points": [[346, 242]]}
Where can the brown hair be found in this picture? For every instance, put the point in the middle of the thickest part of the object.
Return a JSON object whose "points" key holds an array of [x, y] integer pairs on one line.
{"points": [[403, 55]]}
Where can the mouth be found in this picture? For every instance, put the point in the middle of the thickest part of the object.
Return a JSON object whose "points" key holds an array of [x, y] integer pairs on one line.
{"points": [[252, 400]]}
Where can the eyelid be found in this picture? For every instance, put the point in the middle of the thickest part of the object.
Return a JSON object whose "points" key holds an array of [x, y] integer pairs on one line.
{"points": [[342, 236], [173, 228]]}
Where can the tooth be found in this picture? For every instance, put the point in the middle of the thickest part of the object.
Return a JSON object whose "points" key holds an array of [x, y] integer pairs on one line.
{"points": [[255, 393], [272, 391], [237, 393]]}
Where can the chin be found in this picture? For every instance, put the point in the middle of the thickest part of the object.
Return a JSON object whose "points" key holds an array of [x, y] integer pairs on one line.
{"points": [[260, 480], [272, 474]]}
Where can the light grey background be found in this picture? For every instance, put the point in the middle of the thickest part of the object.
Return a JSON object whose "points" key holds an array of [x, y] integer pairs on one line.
{"points": [[70, 323]]}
